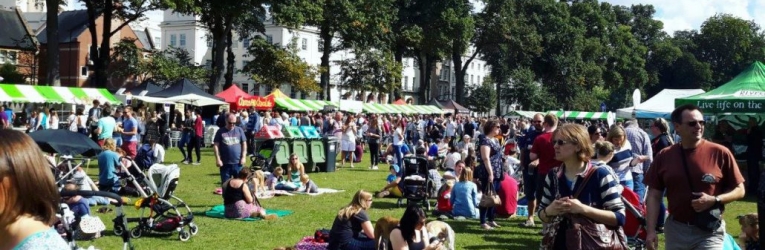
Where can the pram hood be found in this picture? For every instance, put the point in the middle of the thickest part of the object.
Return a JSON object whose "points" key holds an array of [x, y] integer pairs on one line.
{"points": [[160, 177]]}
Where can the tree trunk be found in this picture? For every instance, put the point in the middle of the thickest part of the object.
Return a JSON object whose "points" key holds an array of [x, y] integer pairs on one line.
{"points": [[93, 50], [326, 39], [230, 57], [498, 87], [104, 55], [219, 47], [399, 56], [52, 77], [459, 76]]}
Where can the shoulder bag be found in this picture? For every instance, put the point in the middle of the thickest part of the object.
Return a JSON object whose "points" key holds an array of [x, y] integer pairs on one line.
{"points": [[490, 197], [584, 233], [708, 220], [550, 229]]}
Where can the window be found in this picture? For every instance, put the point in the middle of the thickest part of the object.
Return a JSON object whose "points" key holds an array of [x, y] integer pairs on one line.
{"points": [[305, 43], [10, 57], [321, 45], [268, 89], [183, 41], [234, 43], [406, 83], [293, 94], [84, 71], [157, 40], [246, 87], [246, 43], [244, 63], [269, 39], [172, 40]]}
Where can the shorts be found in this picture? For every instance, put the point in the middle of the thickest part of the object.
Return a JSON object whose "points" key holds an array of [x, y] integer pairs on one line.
{"points": [[396, 192], [347, 146], [131, 148], [533, 185]]}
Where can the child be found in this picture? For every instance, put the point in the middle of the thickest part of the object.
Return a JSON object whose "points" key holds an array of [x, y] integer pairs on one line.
{"points": [[750, 231], [258, 184], [393, 172], [77, 204], [310, 186], [275, 178], [444, 204], [435, 177], [512, 164]]}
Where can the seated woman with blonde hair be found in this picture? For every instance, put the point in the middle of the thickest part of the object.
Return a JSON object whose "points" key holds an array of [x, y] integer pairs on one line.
{"points": [[352, 229], [238, 200]]}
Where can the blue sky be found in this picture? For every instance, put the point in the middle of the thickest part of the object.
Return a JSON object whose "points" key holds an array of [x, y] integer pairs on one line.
{"points": [[675, 14]]}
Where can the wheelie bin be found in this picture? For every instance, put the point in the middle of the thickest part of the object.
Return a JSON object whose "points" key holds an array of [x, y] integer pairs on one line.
{"points": [[316, 149], [297, 143]]}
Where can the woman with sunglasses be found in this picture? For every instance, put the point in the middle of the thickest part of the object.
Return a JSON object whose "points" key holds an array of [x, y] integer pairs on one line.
{"points": [[623, 158], [598, 198], [489, 171], [352, 229], [295, 169]]}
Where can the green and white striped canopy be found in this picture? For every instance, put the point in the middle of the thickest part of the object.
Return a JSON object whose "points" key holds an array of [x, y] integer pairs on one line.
{"points": [[302, 105], [46, 94], [374, 108], [581, 115]]}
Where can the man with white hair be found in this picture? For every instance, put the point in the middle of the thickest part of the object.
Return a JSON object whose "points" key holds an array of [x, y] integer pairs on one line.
{"points": [[230, 147]]}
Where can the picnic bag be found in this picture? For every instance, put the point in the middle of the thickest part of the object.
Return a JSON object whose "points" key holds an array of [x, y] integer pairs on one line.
{"points": [[489, 198], [90, 228], [321, 235]]}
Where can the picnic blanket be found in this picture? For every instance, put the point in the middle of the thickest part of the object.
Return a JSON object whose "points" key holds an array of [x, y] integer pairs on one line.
{"points": [[321, 191], [218, 211]]}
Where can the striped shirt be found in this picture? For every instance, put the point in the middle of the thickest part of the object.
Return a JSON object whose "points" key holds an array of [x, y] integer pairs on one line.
{"points": [[641, 145], [602, 191], [621, 163]]}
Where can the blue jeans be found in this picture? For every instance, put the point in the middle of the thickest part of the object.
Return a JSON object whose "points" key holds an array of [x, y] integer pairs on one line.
{"points": [[628, 184], [183, 143], [118, 141], [487, 214], [96, 200], [399, 156], [229, 171], [639, 187]]}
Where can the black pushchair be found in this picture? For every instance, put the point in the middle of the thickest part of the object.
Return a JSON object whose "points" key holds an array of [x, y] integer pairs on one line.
{"points": [[265, 155], [120, 222], [415, 182]]}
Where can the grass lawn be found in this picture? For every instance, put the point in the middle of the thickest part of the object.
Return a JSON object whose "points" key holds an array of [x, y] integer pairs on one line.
{"points": [[313, 212]]}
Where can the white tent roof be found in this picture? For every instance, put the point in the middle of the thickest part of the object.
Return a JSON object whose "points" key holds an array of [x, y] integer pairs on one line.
{"points": [[659, 105]]}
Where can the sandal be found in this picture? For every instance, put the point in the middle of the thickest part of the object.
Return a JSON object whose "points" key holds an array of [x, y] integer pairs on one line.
{"points": [[494, 224], [527, 224], [103, 210], [486, 227]]}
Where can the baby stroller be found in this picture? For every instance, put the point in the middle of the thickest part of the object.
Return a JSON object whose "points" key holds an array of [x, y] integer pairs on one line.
{"points": [[635, 222], [68, 221], [416, 185], [158, 213], [265, 155]]}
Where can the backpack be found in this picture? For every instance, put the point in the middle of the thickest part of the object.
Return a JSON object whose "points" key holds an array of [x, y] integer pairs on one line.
{"points": [[145, 157]]}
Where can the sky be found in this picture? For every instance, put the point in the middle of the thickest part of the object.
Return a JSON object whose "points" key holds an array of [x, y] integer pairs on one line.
{"points": [[675, 14]]}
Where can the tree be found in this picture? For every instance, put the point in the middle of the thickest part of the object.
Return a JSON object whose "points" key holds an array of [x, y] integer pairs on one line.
{"points": [[52, 76], [10, 74], [481, 98], [729, 44], [370, 70], [341, 23], [126, 11], [272, 66], [527, 92], [127, 60]]}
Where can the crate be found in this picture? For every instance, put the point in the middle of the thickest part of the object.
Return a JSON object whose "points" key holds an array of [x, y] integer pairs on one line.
{"points": [[522, 211]]}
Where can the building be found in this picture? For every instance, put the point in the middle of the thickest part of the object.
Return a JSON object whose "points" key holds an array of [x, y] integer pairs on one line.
{"points": [[23, 5], [74, 44], [18, 44], [183, 31]]}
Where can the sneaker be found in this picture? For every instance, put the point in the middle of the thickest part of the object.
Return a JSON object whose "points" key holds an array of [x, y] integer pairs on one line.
{"points": [[196, 163], [494, 224], [270, 217], [486, 227], [443, 217], [186, 162], [382, 194], [527, 224]]}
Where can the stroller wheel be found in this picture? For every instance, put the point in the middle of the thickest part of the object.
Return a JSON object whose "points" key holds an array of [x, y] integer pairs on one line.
{"points": [[184, 236], [118, 230], [136, 232], [193, 228]]}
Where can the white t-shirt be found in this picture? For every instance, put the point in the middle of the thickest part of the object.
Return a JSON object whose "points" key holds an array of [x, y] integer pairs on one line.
{"points": [[159, 153], [397, 140], [451, 160]]}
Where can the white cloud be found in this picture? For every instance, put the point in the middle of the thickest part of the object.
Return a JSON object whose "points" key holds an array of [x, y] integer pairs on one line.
{"points": [[690, 14]]}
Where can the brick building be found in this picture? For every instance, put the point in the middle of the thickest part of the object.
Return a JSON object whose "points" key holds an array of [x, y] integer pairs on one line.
{"points": [[18, 44]]}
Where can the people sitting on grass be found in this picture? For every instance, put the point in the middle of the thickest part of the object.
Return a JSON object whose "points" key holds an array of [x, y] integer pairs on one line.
{"points": [[238, 200], [295, 169], [277, 181], [108, 165], [352, 229], [308, 185], [411, 234], [392, 189], [444, 203], [750, 231], [258, 184], [452, 158], [464, 196]]}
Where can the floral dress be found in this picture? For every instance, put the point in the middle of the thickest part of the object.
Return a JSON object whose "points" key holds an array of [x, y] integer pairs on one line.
{"points": [[495, 157]]}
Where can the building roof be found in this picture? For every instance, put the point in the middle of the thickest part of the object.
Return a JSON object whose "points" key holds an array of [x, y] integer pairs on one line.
{"points": [[71, 24], [36, 20], [14, 32], [143, 37]]}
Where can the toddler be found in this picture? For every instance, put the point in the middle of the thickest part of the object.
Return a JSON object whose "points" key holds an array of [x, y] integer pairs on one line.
{"points": [[750, 231], [275, 178], [444, 204], [310, 186]]}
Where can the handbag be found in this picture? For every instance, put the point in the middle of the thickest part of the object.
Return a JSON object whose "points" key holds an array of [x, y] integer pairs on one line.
{"points": [[584, 233], [550, 229], [490, 197], [708, 220], [90, 228]]}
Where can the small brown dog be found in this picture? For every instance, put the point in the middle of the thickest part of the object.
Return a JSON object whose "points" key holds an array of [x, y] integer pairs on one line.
{"points": [[383, 227]]}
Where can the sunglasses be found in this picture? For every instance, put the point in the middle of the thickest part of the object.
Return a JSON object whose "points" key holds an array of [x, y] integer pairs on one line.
{"points": [[560, 142], [694, 123]]}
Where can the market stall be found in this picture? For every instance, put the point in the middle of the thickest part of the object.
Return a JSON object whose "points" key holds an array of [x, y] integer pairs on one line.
{"points": [[660, 105], [610, 117], [238, 99], [450, 106], [19, 93], [522, 113], [185, 92]]}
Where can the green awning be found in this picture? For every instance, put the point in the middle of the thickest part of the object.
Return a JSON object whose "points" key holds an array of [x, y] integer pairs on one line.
{"points": [[48, 94], [581, 115], [743, 94], [302, 105]]}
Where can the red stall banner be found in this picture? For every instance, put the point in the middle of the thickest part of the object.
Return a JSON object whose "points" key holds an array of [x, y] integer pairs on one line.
{"points": [[259, 103]]}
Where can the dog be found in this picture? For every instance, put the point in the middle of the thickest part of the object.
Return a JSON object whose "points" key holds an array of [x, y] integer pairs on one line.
{"points": [[441, 230], [383, 227]]}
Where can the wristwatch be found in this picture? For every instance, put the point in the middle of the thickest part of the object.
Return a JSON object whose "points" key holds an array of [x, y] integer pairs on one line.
{"points": [[718, 201]]}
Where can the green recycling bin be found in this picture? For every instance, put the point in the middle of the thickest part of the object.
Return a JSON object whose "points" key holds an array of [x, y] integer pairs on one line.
{"points": [[315, 148], [297, 142]]}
